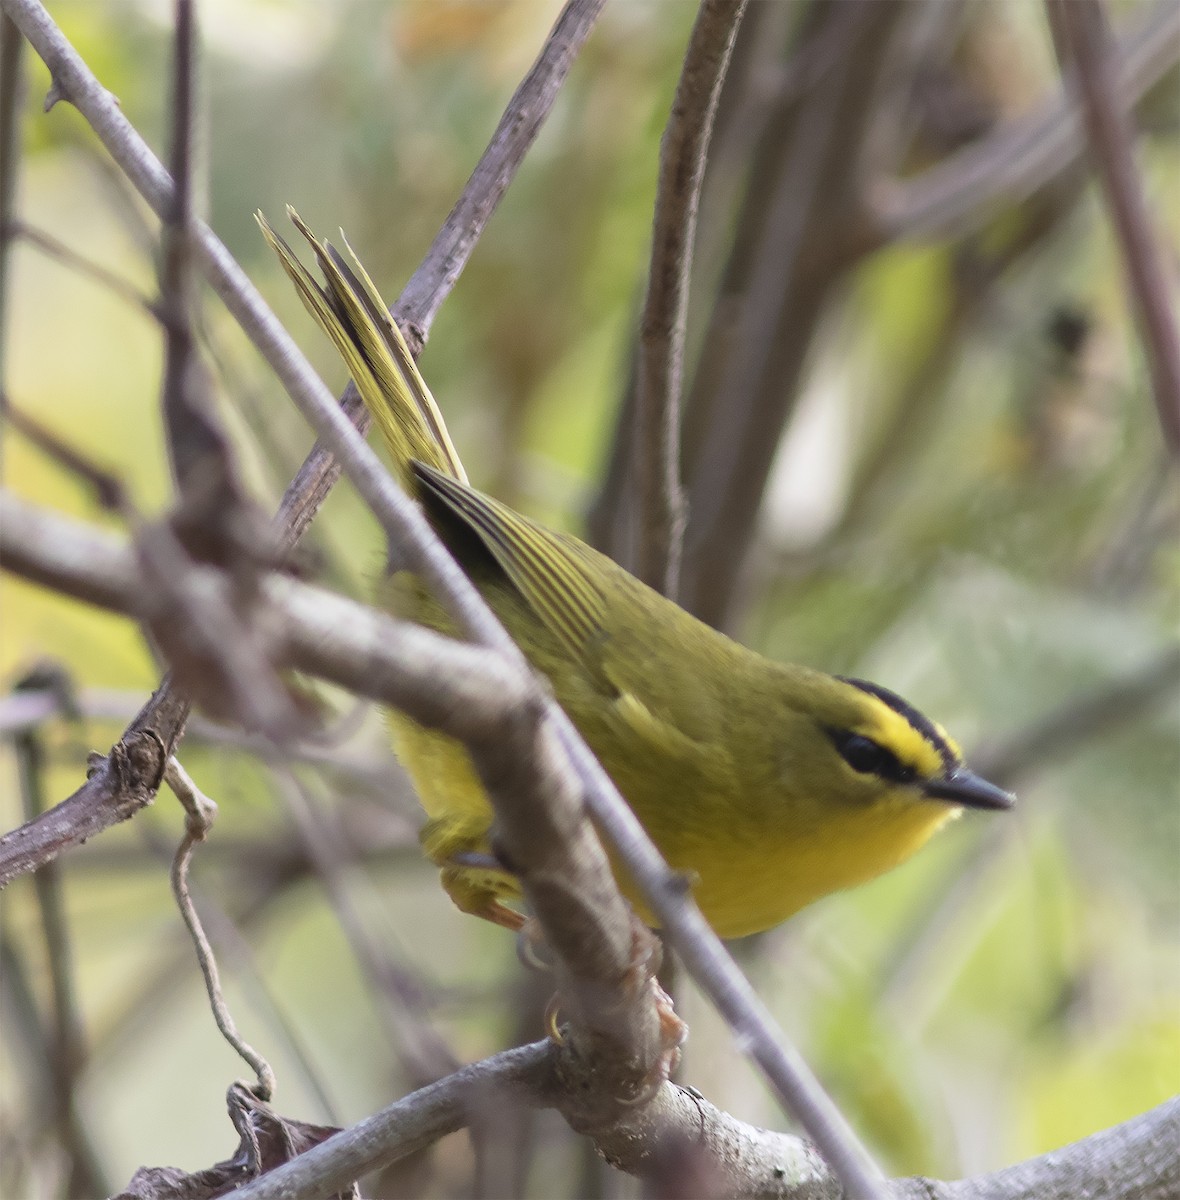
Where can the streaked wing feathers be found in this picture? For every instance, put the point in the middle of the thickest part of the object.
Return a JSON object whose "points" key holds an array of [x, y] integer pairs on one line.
{"points": [[537, 562]]}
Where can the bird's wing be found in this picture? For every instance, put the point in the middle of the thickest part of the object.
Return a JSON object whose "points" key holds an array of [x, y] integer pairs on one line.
{"points": [[538, 563], [558, 578]]}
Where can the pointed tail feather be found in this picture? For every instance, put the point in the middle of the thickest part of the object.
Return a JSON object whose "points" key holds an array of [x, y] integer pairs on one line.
{"points": [[351, 312]]}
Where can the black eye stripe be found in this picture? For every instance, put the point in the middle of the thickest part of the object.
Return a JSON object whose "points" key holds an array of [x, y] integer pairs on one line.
{"points": [[950, 760], [867, 757]]}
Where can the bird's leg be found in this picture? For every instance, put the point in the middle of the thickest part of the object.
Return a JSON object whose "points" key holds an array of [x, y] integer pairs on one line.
{"points": [[647, 952], [479, 896]]}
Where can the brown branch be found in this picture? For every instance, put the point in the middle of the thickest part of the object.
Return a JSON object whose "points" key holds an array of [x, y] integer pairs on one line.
{"points": [[1085, 49], [683, 151], [1137, 1160]]}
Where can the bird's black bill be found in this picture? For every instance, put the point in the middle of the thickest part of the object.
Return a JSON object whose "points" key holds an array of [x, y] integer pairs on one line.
{"points": [[966, 788]]}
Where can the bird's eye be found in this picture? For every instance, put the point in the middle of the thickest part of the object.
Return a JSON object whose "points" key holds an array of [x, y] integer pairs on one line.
{"points": [[870, 758]]}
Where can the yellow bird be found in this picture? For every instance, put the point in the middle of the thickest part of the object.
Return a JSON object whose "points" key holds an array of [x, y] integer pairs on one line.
{"points": [[770, 785]]}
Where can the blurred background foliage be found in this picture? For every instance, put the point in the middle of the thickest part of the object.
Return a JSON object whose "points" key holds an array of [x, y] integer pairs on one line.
{"points": [[969, 501]]}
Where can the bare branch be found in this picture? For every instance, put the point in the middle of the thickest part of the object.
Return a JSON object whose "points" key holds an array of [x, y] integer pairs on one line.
{"points": [[1137, 1160], [1085, 49], [410, 1124], [659, 383]]}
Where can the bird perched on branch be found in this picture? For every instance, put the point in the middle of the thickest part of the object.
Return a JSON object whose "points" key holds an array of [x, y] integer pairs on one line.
{"points": [[769, 785]]}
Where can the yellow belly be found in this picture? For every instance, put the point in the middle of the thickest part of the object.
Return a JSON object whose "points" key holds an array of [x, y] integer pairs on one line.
{"points": [[746, 877]]}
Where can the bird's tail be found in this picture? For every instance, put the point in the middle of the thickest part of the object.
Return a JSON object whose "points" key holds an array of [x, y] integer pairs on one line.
{"points": [[351, 312]]}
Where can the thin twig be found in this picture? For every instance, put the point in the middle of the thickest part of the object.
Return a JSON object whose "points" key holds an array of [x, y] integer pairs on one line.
{"points": [[659, 383], [200, 812], [226, 929], [269, 876], [1085, 48], [108, 488], [57, 250]]}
